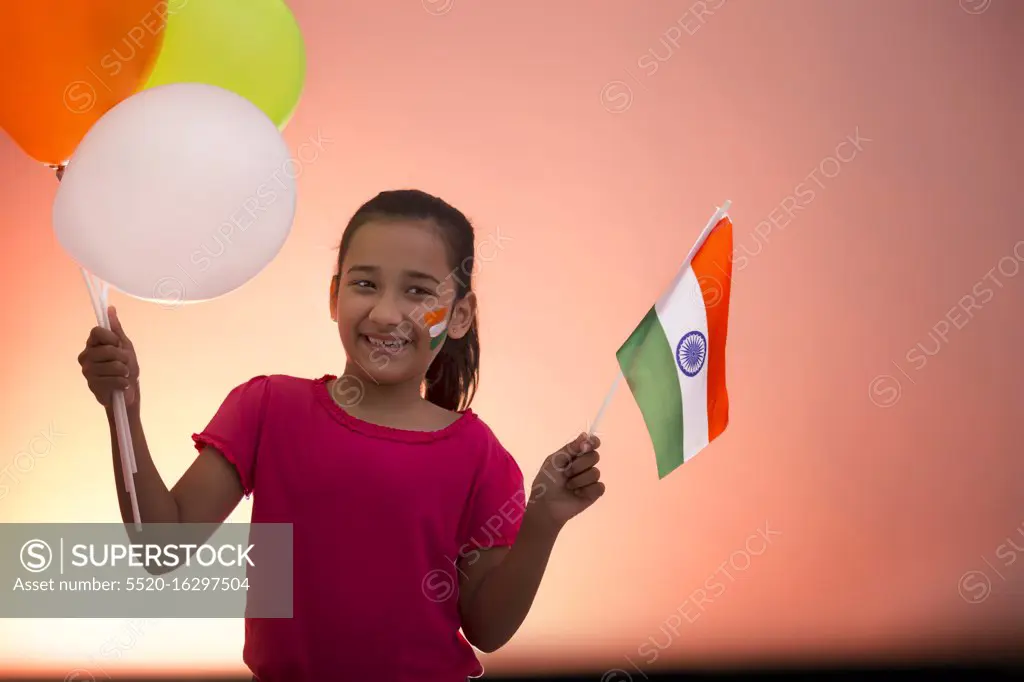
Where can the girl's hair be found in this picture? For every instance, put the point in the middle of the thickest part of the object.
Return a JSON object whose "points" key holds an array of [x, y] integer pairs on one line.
{"points": [[454, 374]]}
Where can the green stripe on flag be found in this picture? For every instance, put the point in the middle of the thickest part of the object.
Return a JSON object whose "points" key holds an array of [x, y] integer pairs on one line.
{"points": [[647, 360]]}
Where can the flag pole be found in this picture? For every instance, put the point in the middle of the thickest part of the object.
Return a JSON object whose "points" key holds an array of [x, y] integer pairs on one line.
{"points": [[607, 401], [718, 215]]}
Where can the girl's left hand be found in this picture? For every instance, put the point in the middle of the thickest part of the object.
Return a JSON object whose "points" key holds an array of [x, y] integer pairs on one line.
{"points": [[568, 481]]}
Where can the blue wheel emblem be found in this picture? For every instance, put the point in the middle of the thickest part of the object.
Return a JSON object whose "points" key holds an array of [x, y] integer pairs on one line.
{"points": [[691, 353]]}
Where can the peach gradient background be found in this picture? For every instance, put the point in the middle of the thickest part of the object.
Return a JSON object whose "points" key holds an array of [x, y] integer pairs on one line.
{"points": [[502, 108]]}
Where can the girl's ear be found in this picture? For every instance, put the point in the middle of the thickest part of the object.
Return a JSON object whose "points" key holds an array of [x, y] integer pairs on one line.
{"points": [[335, 283], [463, 314]]}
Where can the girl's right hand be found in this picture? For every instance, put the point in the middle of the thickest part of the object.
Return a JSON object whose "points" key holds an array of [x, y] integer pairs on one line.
{"points": [[109, 363]]}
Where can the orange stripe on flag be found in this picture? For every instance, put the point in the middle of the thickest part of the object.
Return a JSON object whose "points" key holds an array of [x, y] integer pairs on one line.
{"points": [[434, 316], [712, 265]]}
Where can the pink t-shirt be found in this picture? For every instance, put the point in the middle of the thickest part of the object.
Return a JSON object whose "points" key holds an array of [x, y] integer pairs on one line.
{"points": [[379, 516]]}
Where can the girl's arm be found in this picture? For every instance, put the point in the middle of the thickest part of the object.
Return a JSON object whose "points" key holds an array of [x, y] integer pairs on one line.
{"points": [[499, 584], [206, 493], [209, 490]]}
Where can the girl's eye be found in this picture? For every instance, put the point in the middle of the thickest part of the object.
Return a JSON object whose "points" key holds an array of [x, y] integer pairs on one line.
{"points": [[361, 283], [420, 291]]}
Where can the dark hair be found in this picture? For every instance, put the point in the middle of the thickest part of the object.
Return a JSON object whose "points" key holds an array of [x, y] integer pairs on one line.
{"points": [[453, 376]]}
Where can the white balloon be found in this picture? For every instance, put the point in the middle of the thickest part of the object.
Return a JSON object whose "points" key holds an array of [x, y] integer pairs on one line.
{"points": [[183, 192]]}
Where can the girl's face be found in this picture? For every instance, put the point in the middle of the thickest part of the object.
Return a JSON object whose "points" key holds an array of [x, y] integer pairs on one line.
{"points": [[393, 300]]}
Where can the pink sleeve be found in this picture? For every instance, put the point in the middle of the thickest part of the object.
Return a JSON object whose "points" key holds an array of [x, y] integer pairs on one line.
{"points": [[235, 428], [496, 504]]}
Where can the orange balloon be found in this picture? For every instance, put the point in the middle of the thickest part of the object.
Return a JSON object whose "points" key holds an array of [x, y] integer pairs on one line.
{"points": [[65, 63]]}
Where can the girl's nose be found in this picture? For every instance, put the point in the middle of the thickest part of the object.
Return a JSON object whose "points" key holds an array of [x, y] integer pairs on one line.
{"points": [[385, 312]]}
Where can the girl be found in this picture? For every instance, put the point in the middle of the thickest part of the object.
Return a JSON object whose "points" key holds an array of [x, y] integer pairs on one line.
{"points": [[413, 535]]}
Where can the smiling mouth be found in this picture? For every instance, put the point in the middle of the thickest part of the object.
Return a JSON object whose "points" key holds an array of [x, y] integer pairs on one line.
{"points": [[389, 345]]}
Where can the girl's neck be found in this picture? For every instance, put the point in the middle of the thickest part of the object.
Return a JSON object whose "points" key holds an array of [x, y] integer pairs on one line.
{"points": [[376, 398], [396, 405]]}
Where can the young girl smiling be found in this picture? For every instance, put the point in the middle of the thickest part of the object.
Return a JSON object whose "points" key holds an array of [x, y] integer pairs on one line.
{"points": [[414, 536]]}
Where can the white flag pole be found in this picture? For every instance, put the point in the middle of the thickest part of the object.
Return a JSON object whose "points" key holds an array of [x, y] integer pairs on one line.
{"points": [[605, 403], [718, 215]]}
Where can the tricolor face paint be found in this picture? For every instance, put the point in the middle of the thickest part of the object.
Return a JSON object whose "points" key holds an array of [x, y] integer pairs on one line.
{"points": [[437, 325]]}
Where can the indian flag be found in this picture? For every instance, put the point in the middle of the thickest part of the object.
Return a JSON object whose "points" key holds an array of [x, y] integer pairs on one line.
{"points": [[436, 322], [674, 361]]}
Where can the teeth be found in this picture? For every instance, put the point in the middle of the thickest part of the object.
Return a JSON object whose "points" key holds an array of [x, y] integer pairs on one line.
{"points": [[390, 344]]}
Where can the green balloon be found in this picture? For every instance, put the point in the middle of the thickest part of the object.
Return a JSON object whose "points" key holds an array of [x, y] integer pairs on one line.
{"points": [[251, 47]]}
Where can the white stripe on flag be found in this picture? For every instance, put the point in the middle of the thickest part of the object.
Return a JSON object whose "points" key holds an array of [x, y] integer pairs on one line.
{"points": [[680, 312]]}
